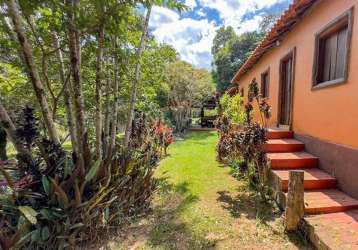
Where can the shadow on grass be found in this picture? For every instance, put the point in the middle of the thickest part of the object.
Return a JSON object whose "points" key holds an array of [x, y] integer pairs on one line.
{"points": [[169, 231], [249, 204]]}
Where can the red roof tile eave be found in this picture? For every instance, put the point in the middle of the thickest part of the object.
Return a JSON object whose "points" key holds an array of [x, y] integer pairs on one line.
{"points": [[283, 25]]}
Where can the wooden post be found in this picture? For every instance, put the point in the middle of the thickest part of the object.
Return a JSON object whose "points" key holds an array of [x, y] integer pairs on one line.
{"points": [[295, 200]]}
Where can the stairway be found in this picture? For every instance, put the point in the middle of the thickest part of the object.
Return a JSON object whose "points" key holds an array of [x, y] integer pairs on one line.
{"points": [[321, 194]]}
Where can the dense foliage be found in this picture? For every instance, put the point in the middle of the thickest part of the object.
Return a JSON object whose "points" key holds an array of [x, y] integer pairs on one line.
{"points": [[232, 108], [86, 96], [243, 146], [230, 51], [188, 88], [45, 206]]}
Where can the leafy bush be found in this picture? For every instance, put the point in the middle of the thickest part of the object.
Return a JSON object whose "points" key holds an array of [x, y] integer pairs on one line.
{"points": [[247, 144], [48, 204], [232, 108]]}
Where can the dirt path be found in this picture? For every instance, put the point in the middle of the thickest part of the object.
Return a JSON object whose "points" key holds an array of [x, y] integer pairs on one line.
{"points": [[201, 206]]}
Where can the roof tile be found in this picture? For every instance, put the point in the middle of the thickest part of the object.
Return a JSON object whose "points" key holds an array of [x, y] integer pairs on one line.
{"points": [[282, 26]]}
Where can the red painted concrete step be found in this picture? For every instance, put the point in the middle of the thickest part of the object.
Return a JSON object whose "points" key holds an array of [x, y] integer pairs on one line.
{"points": [[334, 230], [313, 179], [328, 201], [283, 146], [277, 133], [292, 160]]}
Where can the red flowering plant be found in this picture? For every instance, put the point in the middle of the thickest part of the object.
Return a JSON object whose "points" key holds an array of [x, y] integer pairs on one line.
{"points": [[164, 135], [247, 143]]}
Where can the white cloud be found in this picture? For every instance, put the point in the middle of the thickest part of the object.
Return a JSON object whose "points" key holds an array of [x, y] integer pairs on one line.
{"points": [[161, 16], [190, 3], [193, 38], [201, 13], [232, 11], [249, 25]]}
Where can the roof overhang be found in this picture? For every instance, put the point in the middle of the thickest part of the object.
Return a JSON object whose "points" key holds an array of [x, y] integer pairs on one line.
{"points": [[284, 24]]}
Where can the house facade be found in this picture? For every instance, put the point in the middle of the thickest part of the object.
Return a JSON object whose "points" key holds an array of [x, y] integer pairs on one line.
{"points": [[307, 68]]}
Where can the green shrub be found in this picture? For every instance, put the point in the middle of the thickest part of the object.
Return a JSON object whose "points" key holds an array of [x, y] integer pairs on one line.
{"points": [[247, 144], [48, 204], [232, 108]]}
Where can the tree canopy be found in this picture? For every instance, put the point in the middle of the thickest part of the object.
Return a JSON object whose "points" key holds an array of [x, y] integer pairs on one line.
{"points": [[230, 51], [86, 98]]}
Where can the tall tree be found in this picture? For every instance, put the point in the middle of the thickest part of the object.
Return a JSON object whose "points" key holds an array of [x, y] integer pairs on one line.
{"points": [[113, 133], [32, 70], [188, 87], [3, 144], [99, 76], [9, 127], [222, 37], [75, 58], [230, 51], [136, 77], [67, 93]]}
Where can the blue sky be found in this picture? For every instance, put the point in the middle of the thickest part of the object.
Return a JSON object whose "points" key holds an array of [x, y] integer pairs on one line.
{"points": [[191, 33]]}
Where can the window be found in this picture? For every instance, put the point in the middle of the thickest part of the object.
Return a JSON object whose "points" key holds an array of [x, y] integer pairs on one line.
{"points": [[331, 55], [265, 81]]}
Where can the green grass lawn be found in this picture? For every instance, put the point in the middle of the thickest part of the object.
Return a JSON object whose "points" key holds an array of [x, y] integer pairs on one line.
{"points": [[199, 205]]}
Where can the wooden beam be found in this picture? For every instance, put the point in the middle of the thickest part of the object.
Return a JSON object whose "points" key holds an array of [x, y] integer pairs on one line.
{"points": [[295, 200]]}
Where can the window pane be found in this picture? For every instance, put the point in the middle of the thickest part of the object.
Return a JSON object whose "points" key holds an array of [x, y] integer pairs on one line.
{"points": [[333, 51], [332, 56], [328, 42], [341, 53]]}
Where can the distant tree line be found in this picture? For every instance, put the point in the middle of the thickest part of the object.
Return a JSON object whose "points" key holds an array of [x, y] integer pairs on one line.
{"points": [[230, 51]]}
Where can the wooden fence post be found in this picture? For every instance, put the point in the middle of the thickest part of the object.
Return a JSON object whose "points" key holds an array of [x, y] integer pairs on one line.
{"points": [[295, 200]]}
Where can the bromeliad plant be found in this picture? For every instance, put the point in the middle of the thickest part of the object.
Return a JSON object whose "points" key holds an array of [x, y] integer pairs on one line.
{"points": [[231, 119], [84, 60], [164, 135], [226, 147], [247, 143], [45, 205]]}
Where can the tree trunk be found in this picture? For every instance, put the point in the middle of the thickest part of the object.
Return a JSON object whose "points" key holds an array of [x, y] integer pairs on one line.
{"points": [[12, 35], [112, 143], [136, 79], [295, 200], [107, 122], [32, 70], [3, 143], [67, 96], [99, 118], [83, 157], [9, 127]]}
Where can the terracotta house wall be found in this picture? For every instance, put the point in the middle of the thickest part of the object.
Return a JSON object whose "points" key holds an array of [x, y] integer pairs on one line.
{"points": [[331, 113], [325, 119]]}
